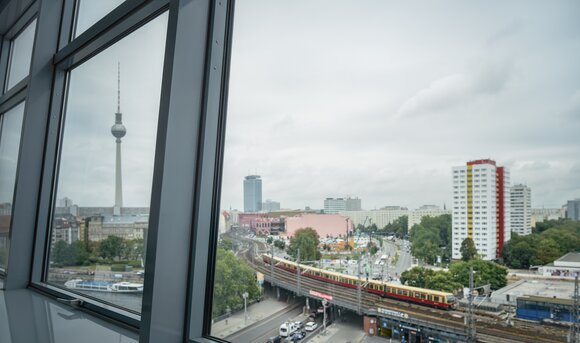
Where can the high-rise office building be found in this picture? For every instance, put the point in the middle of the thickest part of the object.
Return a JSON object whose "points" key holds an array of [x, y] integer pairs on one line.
{"points": [[335, 205], [481, 208], [252, 193], [573, 209], [521, 209], [270, 206]]}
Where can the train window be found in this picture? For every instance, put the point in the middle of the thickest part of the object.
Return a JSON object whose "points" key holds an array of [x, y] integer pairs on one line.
{"points": [[436, 298]]}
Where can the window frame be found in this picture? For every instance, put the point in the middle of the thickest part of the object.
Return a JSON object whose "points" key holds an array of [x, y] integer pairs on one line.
{"points": [[187, 166], [14, 20]]}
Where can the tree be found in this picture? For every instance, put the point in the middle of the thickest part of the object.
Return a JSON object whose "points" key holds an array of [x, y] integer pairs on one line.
{"points": [[546, 252], [111, 247], [486, 272], [269, 240], [550, 240], [280, 244], [226, 243], [373, 249], [307, 241], [416, 276], [430, 279], [426, 243], [60, 253], [468, 250], [233, 277], [399, 226]]}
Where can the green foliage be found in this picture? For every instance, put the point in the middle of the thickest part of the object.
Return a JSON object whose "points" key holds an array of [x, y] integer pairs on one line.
{"points": [[226, 243], [118, 267], [486, 272], [399, 227], [280, 244], [432, 238], [233, 277], [111, 247], [65, 254], [468, 249], [269, 240], [550, 240], [307, 241], [430, 279], [373, 249]]}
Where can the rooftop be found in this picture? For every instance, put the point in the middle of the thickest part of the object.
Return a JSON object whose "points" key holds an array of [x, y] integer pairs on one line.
{"points": [[541, 288], [570, 257]]}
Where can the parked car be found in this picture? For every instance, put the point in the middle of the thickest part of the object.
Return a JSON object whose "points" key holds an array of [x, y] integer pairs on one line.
{"points": [[311, 326], [275, 339], [299, 325]]}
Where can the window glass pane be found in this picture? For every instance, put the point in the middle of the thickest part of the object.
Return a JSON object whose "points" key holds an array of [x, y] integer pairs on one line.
{"points": [[10, 130], [91, 11], [353, 119], [100, 217], [21, 55]]}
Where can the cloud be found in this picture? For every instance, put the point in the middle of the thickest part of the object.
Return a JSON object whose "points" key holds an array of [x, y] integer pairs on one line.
{"points": [[483, 79]]}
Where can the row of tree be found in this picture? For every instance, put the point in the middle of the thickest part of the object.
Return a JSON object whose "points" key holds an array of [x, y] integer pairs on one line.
{"points": [[550, 240], [457, 277], [233, 278], [398, 228], [108, 250]]}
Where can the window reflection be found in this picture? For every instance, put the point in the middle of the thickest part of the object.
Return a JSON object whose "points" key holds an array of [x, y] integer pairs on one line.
{"points": [[90, 11], [10, 130], [101, 211], [21, 55]]}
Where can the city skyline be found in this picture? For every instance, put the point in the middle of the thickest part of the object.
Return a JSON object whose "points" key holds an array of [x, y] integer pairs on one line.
{"points": [[383, 107]]}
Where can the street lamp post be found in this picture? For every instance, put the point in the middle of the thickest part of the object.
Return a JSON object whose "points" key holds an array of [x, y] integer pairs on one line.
{"points": [[324, 303], [245, 295]]}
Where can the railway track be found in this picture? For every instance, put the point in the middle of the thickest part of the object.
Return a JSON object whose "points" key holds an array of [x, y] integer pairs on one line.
{"points": [[489, 329]]}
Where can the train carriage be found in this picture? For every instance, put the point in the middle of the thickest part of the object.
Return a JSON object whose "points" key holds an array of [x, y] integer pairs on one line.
{"points": [[421, 296]]}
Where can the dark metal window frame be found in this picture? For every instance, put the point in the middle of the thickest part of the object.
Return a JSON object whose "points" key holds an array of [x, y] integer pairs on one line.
{"points": [[187, 168], [11, 27]]}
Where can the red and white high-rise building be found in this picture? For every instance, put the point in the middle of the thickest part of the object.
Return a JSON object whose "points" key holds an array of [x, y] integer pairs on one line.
{"points": [[481, 208]]}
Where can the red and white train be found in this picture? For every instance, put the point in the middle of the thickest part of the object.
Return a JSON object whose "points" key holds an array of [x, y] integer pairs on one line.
{"points": [[417, 295]]}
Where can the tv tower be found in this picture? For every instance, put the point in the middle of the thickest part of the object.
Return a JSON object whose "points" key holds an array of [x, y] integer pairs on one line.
{"points": [[118, 130]]}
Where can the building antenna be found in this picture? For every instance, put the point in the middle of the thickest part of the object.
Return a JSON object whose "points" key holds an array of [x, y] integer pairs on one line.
{"points": [[118, 87]]}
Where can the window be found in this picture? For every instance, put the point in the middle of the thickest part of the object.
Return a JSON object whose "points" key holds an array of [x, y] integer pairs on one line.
{"points": [[101, 211], [89, 12], [20, 55], [10, 129]]}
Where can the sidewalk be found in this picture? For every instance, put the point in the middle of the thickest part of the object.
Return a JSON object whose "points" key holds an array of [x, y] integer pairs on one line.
{"points": [[337, 333], [256, 312]]}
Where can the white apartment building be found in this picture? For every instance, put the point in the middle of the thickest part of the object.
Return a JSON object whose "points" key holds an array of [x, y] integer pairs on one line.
{"points": [[521, 209], [336, 205], [380, 217], [415, 216], [481, 208]]}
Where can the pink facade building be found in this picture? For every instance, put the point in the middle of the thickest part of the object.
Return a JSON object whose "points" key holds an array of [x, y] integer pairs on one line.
{"points": [[331, 225], [261, 223]]}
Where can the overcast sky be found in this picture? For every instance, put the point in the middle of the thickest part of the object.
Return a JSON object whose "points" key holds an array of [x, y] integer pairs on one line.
{"points": [[380, 99], [375, 99]]}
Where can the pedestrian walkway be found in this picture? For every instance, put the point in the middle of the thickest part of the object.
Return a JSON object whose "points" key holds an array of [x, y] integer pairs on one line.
{"points": [[339, 333], [255, 313]]}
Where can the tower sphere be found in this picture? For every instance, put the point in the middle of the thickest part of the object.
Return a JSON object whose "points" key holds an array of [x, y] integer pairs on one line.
{"points": [[118, 130]]}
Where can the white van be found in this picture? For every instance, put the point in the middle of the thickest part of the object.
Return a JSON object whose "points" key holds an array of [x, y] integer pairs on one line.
{"points": [[287, 329]]}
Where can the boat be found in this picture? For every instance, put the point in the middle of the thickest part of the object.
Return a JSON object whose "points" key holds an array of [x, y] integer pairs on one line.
{"points": [[104, 286]]}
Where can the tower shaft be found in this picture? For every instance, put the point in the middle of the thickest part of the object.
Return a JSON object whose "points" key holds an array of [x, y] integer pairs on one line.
{"points": [[118, 181]]}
